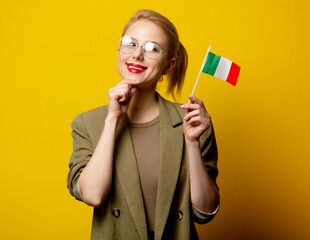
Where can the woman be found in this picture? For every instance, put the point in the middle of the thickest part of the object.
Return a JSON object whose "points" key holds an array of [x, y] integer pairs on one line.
{"points": [[147, 165]]}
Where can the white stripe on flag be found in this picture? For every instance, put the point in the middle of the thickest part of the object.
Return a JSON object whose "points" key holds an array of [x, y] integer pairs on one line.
{"points": [[223, 68]]}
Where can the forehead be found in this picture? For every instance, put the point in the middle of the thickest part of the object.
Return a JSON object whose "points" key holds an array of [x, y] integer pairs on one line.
{"points": [[145, 30]]}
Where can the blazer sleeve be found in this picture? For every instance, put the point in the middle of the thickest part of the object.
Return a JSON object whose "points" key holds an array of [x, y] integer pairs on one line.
{"points": [[82, 152], [210, 155]]}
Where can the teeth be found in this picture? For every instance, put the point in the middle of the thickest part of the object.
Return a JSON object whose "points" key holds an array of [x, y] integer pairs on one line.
{"points": [[141, 69]]}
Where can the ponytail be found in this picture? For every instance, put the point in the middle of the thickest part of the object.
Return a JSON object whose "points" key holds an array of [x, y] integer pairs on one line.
{"points": [[177, 75]]}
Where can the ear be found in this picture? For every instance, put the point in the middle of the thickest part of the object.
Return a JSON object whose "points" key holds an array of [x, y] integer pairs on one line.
{"points": [[170, 66]]}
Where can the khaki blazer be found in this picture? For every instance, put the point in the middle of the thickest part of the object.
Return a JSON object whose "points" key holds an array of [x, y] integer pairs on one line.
{"points": [[122, 215]]}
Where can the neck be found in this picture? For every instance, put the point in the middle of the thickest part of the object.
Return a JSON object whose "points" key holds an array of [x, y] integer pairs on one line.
{"points": [[143, 106]]}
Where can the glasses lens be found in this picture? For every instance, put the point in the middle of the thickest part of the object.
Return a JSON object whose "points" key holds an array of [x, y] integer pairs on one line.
{"points": [[152, 50], [128, 44]]}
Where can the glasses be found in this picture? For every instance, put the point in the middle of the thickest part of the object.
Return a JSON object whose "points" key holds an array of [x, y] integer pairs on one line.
{"points": [[150, 49]]}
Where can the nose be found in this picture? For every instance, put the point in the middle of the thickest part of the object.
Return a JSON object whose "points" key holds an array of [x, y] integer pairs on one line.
{"points": [[138, 54]]}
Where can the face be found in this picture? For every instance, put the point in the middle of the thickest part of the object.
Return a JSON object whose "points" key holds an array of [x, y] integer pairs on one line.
{"points": [[136, 65]]}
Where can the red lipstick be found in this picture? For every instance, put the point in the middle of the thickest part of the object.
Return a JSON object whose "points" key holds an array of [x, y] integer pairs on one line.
{"points": [[135, 68]]}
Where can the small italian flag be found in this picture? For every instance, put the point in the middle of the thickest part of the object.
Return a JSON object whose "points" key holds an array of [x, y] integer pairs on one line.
{"points": [[219, 67], [222, 68]]}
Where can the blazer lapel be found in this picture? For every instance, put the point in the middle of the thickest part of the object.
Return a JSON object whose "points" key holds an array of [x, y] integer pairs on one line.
{"points": [[171, 148], [128, 175]]}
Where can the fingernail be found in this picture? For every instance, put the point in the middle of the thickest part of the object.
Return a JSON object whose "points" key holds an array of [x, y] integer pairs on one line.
{"points": [[182, 106]]}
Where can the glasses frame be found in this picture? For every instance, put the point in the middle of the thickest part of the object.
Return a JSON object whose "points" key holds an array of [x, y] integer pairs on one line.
{"points": [[142, 46]]}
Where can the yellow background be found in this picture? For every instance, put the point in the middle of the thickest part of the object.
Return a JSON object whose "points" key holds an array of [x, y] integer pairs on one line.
{"points": [[58, 58]]}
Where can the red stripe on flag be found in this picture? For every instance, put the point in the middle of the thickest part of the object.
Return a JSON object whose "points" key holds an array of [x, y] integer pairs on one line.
{"points": [[233, 74]]}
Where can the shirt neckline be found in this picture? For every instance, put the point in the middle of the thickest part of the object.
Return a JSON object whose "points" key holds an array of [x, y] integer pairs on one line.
{"points": [[145, 124]]}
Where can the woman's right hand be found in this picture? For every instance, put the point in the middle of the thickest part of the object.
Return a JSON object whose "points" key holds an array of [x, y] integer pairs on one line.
{"points": [[96, 178], [120, 96]]}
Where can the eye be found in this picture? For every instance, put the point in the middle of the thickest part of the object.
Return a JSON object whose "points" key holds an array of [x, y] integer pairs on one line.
{"points": [[128, 41], [132, 44], [152, 47]]}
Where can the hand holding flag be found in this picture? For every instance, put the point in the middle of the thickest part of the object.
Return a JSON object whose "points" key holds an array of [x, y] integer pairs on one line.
{"points": [[197, 120]]}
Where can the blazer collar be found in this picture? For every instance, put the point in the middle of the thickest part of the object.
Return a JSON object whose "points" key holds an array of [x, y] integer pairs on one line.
{"points": [[171, 152], [169, 115], [127, 172]]}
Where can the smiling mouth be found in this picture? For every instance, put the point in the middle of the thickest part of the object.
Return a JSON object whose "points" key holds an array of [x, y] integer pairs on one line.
{"points": [[135, 68]]}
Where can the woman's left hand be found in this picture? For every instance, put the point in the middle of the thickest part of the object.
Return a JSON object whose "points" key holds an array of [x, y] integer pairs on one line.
{"points": [[196, 120]]}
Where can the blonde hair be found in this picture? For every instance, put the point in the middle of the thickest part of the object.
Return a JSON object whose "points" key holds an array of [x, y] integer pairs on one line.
{"points": [[175, 48]]}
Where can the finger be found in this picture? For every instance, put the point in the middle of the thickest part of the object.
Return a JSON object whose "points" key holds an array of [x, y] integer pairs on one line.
{"points": [[126, 84], [133, 90], [122, 91], [194, 121], [124, 96], [194, 99], [121, 88], [190, 106], [191, 114], [129, 82], [129, 94], [115, 94]]}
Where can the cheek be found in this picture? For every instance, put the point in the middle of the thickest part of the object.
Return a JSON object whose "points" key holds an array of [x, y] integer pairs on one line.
{"points": [[162, 66], [120, 59], [119, 65]]}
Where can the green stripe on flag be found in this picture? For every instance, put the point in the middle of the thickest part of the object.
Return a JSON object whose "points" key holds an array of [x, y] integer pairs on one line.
{"points": [[208, 63], [214, 64], [211, 64]]}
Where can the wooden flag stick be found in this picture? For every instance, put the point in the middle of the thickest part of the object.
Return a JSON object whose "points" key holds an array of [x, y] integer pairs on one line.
{"points": [[204, 61]]}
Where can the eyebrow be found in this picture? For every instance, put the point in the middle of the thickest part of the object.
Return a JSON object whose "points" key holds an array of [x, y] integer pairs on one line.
{"points": [[145, 41]]}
